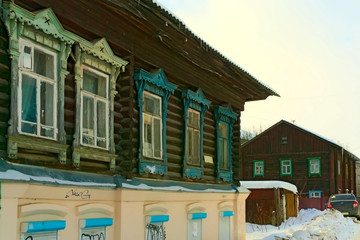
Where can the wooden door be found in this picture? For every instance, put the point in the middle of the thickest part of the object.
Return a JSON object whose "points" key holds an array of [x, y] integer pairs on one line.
{"points": [[290, 205]]}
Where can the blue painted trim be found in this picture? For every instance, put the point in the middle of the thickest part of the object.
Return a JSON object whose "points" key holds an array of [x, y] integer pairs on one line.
{"points": [[195, 100], [196, 97], [193, 172], [228, 213], [225, 176], [97, 222], [314, 192], [32, 227], [198, 215], [224, 115], [157, 84], [157, 78], [159, 218], [152, 168]]}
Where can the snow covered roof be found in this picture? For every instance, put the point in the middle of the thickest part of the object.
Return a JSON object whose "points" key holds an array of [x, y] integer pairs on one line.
{"points": [[41, 175], [268, 184]]}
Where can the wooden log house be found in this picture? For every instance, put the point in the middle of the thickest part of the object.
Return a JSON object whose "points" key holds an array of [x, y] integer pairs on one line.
{"points": [[317, 166], [118, 94]]}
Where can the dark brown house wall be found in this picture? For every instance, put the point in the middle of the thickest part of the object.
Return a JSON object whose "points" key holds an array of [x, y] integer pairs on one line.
{"points": [[298, 146], [4, 88]]}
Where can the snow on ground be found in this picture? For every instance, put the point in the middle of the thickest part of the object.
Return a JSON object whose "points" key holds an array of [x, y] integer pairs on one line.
{"points": [[309, 224]]}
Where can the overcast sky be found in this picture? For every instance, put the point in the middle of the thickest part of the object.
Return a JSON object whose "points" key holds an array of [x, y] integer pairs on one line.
{"points": [[308, 51]]}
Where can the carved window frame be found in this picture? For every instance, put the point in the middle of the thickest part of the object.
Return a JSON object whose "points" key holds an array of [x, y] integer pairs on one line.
{"points": [[39, 79], [43, 30], [194, 101], [96, 98], [97, 56], [157, 84], [224, 115]]}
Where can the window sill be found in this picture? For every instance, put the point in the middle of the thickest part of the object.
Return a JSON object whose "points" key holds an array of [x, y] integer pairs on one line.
{"points": [[156, 167], [226, 176], [193, 172], [97, 154], [38, 144]]}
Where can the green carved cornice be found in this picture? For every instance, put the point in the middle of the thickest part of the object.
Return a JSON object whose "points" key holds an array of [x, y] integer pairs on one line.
{"points": [[44, 20], [21, 22], [101, 49]]}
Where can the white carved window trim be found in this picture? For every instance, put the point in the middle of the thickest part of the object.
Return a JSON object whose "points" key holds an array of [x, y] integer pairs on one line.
{"points": [[96, 99], [39, 79]]}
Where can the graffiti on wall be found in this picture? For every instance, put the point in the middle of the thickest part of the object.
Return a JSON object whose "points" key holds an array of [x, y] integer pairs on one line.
{"points": [[155, 232], [97, 236], [74, 193]]}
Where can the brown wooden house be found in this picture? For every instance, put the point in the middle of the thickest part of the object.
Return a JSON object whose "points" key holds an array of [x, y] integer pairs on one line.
{"points": [[317, 166], [123, 88]]}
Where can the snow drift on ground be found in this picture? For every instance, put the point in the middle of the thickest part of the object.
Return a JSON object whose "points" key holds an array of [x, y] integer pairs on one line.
{"points": [[309, 224]]}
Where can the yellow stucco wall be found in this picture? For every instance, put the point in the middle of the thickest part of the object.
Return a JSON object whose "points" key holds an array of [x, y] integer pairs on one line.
{"points": [[22, 202]]}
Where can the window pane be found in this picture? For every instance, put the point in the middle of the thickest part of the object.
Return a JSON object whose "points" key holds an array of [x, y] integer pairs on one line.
{"points": [[89, 140], [223, 130], [47, 104], [101, 119], [286, 169], [157, 138], [27, 57], [88, 116], [101, 124], [151, 105], [194, 229], [101, 142], [196, 156], [155, 231], [94, 83], [28, 104], [221, 153], [224, 228], [226, 156], [43, 64], [259, 168], [97, 233], [194, 119], [147, 136], [28, 128], [190, 145], [47, 131]]}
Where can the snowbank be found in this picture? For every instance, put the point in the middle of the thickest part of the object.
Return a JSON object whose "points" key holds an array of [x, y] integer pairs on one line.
{"points": [[330, 225], [310, 224]]}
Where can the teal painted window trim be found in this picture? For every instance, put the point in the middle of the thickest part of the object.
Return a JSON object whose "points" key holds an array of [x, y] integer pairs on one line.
{"points": [[96, 222], [196, 101], [282, 161], [157, 84], [262, 163], [45, 226], [314, 194], [315, 160], [224, 115]]}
